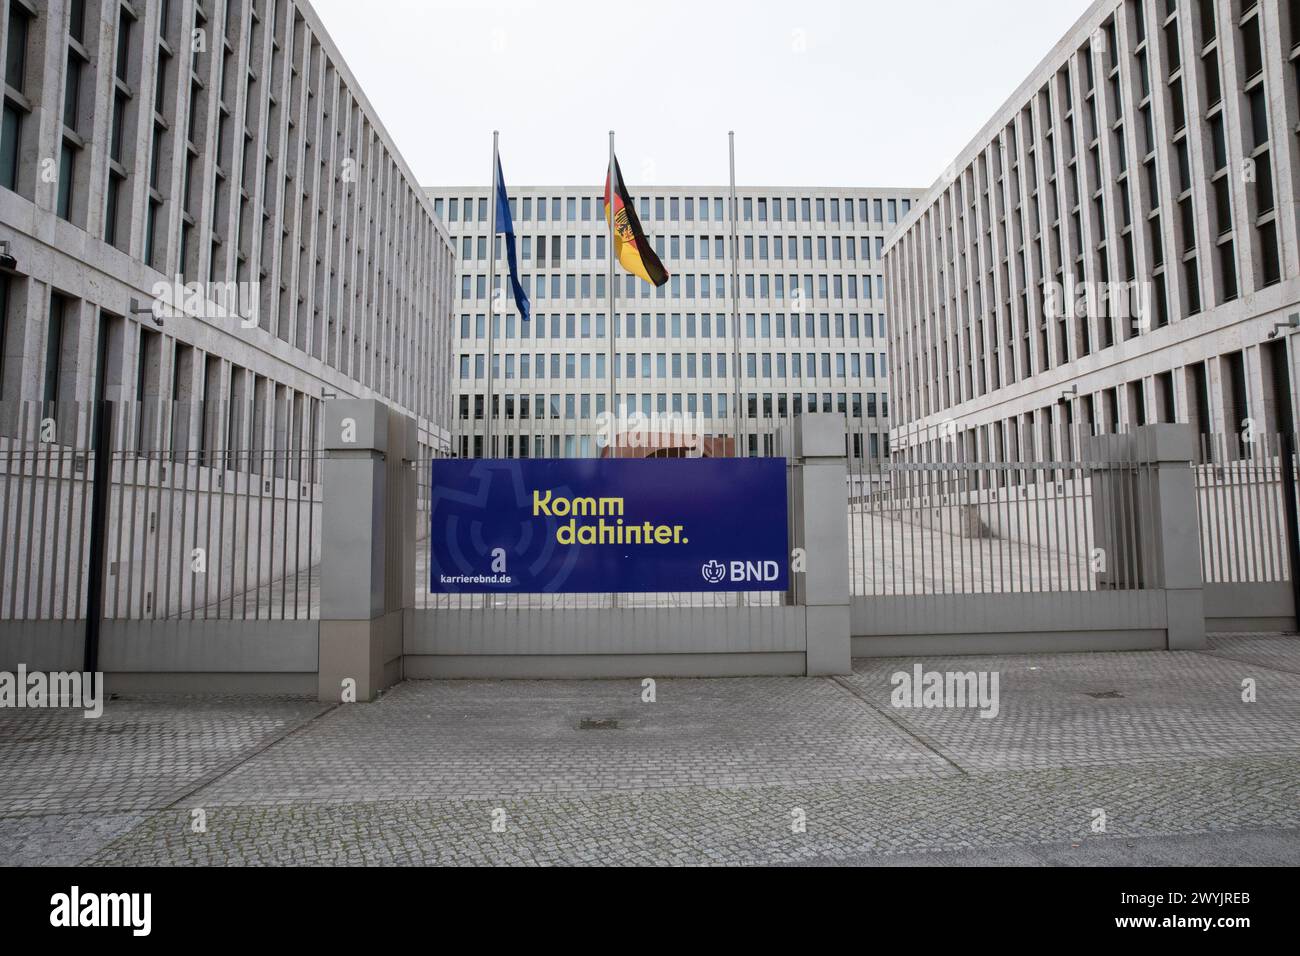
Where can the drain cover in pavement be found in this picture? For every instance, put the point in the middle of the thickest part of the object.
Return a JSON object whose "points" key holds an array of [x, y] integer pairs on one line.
{"points": [[598, 723], [1106, 695]]}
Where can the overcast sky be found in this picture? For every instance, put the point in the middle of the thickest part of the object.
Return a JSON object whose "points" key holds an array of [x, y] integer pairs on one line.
{"points": [[819, 92]]}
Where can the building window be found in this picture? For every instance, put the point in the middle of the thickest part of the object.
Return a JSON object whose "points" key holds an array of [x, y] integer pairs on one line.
{"points": [[15, 79], [10, 138], [54, 350], [111, 208], [16, 48], [67, 170], [1271, 267], [4, 328], [123, 44], [72, 91], [1228, 268]]}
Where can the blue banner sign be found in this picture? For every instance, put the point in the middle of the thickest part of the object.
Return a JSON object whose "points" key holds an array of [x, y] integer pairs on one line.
{"points": [[597, 525]]}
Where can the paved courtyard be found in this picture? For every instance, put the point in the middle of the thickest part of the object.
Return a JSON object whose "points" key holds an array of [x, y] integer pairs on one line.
{"points": [[762, 770]]}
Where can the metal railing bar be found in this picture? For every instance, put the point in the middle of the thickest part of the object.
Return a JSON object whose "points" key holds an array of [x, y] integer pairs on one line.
{"points": [[10, 474], [170, 571], [26, 568]]}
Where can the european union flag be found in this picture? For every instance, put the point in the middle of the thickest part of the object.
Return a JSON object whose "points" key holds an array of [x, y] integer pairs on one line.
{"points": [[506, 225]]}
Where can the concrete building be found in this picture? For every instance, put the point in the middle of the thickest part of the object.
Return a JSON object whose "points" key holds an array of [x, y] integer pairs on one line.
{"points": [[202, 206], [812, 318], [1118, 246]]}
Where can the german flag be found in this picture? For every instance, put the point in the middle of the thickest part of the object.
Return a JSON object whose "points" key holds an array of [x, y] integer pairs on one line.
{"points": [[630, 243]]}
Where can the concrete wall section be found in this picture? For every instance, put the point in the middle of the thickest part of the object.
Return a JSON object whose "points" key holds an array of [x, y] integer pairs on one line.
{"points": [[599, 631], [1249, 607], [1010, 623], [42, 645], [171, 647], [267, 685], [1017, 642], [602, 666], [668, 642], [246, 657]]}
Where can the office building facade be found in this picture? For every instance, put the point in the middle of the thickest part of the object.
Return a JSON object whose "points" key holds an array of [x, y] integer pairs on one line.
{"points": [[200, 206], [811, 318], [1117, 247]]}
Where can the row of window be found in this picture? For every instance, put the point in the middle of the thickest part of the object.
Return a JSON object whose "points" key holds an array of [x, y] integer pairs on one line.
{"points": [[191, 404], [586, 446], [585, 406], [1215, 405], [676, 325], [679, 209], [851, 288], [554, 251], [677, 365], [75, 113]]}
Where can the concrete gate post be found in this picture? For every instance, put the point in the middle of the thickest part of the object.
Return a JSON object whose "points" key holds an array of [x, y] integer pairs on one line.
{"points": [[1175, 529], [367, 574], [821, 529], [1145, 520]]}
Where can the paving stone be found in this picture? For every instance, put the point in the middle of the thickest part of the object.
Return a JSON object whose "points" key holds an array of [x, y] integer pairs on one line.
{"points": [[747, 825], [709, 774], [1271, 650], [143, 753], [1170, 706]]}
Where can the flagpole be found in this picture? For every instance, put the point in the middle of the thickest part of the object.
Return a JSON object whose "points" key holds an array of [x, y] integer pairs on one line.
{"points": [[735, 295], [613, 321], [612, 420], [491, 288]]}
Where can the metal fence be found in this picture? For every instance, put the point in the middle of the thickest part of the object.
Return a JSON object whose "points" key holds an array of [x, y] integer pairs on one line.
{"points": [[209, 516], [206, 515], [44, 517], [946, 525], [1241, 484]]}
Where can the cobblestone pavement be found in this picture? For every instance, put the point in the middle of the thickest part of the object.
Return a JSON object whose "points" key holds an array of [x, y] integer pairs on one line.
{"points": [[1150, 706], [1264, 649], [764, 770]]}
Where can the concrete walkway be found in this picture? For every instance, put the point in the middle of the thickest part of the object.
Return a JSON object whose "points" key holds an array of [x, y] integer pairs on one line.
{"points": [[1157, 746]]}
